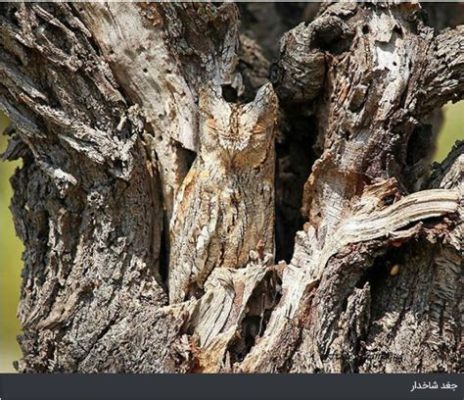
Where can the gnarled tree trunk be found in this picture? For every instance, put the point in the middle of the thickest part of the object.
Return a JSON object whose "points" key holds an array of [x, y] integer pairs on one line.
{"points": [[178, 218]]}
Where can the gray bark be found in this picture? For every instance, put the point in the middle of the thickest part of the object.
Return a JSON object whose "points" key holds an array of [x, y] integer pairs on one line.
{"points": [[112, 103]]}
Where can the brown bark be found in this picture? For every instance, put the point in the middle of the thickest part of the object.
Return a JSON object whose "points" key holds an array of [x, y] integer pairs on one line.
{"points": [[111, 104]]}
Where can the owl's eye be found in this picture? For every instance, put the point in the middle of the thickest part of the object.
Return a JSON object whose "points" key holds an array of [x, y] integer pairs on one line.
{"points": [[211, 124], [259, 129]]}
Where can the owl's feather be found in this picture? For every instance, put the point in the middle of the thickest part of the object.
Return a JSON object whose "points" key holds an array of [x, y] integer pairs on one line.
{"points": [[225, 205]]}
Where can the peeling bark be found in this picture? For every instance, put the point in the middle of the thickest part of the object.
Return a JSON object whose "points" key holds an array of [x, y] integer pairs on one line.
{"points": [[132, 118]]}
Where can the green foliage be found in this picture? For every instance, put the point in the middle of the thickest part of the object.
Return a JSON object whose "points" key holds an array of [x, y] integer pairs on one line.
{"points": [[10, 265], [11, 247], [452, 129]]}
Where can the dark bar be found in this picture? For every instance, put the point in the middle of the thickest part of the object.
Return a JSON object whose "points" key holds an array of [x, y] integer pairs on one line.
{"points": [[233, 387]]}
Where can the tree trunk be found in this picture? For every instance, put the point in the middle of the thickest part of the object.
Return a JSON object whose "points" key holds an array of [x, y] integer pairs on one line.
{"points": [[182, 214]]}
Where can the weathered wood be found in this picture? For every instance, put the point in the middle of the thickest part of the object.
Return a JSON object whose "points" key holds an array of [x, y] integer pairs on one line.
{"points": [[133, 117]]}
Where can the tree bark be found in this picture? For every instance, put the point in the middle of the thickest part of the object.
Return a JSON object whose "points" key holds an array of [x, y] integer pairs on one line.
{"points": [[182, 214]]}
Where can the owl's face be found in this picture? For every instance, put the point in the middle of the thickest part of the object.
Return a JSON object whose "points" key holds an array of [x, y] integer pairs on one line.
{"points": [[237, 134]]}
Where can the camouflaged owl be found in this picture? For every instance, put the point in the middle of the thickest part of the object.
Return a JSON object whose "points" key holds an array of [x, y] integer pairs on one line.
{"points": [[225, 206]]}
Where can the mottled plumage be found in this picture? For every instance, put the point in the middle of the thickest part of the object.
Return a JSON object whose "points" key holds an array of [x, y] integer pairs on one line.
{"points": [[225, 206]]}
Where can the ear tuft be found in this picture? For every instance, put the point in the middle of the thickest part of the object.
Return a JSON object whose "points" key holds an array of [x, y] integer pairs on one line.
{"points": [[210, 100], [263, 109], [266, 101]]}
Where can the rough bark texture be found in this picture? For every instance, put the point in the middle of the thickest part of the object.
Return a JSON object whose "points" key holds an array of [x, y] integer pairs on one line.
{"points": [[153, 167]]}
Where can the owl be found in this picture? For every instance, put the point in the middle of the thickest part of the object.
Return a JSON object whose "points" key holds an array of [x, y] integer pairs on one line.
{"points": [[225, 205]]}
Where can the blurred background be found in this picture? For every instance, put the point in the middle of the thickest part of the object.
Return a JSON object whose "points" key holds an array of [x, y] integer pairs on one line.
{"points": [[10, 263], [11, 247]]}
